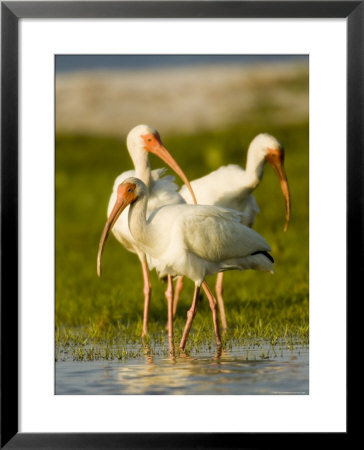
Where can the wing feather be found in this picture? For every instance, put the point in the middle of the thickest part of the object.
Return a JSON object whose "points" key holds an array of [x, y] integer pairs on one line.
{"points": [[217, 234]]}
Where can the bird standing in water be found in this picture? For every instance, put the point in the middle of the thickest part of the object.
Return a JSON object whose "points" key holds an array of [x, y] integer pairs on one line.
{"points": [[161, 191], [188, 240]]}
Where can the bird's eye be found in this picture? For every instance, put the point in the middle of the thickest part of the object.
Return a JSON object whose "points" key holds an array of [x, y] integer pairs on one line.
{"points": [[130, 190], [149, 139]]}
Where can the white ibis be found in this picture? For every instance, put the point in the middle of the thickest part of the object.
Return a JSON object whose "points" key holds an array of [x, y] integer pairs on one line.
{"points": [[231, 187], [141, 140], [188, 240]]}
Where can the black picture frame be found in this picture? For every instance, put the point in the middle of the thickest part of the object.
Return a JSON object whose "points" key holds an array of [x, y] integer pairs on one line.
{"points": [[11, 12]]}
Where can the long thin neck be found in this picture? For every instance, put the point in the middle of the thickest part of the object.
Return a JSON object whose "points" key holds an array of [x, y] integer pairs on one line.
{"points": [[143, 172], [254, 168], [137, 221], [141, 164]]}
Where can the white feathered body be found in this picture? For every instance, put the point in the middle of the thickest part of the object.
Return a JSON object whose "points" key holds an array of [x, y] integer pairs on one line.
{"points": [[230, 187], [196, 241]]}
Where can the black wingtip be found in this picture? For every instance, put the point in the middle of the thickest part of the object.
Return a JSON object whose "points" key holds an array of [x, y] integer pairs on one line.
{"points": [[269, 256]]}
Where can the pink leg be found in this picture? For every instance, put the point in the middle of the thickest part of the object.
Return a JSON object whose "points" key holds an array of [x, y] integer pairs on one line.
{"points": [[190, 316], [179, 287], [147, 294], [213, 307], [169, 296], [220, 299]]}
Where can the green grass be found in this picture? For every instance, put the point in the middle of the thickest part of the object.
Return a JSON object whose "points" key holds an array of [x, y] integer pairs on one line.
{"points": [[107, 312]]}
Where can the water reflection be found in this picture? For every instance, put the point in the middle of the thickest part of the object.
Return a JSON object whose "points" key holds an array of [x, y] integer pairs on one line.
{"points": [[223, 373]]}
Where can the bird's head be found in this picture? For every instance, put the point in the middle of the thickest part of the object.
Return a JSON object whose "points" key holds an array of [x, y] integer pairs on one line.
{"points": [[128, 192], [271, 150], [143, 139]]}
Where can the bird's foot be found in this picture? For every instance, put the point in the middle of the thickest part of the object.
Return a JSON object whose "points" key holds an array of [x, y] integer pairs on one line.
{"points": [[218, 352]]}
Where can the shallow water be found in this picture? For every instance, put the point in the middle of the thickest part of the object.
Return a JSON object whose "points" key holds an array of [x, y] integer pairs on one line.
{"points": [[236, 371]]}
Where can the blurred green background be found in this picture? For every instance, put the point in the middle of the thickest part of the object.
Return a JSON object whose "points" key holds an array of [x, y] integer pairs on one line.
{"points": [[207, 112]]}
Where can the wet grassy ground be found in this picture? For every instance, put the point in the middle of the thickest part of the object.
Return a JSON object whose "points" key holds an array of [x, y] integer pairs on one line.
{"points": [[102, 318]]}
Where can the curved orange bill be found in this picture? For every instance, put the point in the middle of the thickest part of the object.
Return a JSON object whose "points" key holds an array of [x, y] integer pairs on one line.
{"points": [[120, 204], [277, 164], [157, 148]]}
